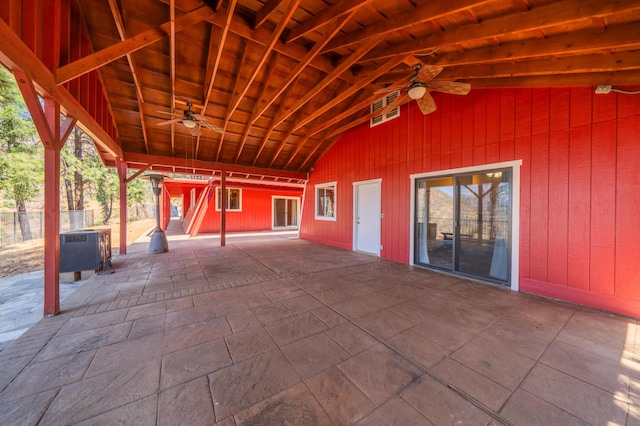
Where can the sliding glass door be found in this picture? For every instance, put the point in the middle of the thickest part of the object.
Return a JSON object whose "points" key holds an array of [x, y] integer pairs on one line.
{"points": [[463, 224]]}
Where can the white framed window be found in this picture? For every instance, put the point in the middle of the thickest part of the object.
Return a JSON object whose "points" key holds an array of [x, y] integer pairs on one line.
{"points": [[326, 196], [234, 199], [381, 104]]}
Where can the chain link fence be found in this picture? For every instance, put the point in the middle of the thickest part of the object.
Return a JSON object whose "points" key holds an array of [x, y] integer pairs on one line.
{"points": [[13, 225]]}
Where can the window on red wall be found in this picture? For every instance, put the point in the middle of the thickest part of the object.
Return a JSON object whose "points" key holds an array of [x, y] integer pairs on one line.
{"points": [[326, 196], [234, 199]]}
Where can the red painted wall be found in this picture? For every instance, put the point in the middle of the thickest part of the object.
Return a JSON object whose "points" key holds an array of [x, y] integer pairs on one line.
{"points": [[580, 186], [256, 206]]}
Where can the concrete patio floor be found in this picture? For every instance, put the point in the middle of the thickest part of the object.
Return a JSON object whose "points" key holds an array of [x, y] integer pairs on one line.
{"points": [[277, 330]]}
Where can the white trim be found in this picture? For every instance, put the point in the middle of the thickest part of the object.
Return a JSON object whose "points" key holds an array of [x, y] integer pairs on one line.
{"points": [[515, 209], [219, 188], [354, 237], [334, 184], [273, 208]]}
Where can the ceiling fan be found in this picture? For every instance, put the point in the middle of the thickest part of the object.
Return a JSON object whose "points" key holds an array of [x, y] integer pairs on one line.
{"points": [[192, 121], [421, 82]]}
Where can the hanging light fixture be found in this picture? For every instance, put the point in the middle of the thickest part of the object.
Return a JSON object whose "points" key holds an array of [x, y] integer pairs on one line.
{"points": [[189, 123], [417, 90]]}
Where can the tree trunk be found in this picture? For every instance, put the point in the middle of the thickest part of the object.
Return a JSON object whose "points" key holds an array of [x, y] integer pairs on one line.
{"points": [[107, 211], [23, 220]]}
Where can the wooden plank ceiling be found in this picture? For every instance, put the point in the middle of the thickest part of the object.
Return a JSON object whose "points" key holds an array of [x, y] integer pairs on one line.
{"points": [[279, 80]]}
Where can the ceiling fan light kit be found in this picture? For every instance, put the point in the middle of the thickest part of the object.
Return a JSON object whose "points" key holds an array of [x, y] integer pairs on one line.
{"points": [[189, 123], [417, 91]]}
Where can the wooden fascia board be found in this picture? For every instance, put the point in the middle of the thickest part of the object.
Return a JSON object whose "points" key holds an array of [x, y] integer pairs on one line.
{"points": [[130, 45], [557, 13], [157, 160], [339, 9], [618, 78]]}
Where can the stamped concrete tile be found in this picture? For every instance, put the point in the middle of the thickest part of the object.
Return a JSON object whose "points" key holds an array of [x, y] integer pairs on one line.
{"points": [[295, 328], [27, 410], [418, 349], [522, 336], [443, 334], [189, 316], [84, 340], [379, 372], [147, 326], [469, 318], [525, 408], [46, 375], [483, 390], [328, 316], [241, 321], [351, 338], [194, 334], [314, 354], [352, 309], [186, 404], [146, 310], [242, 385], [395, 411], [302, 303], [128, 352], [612, 376], [443, 406], [341, 399], [270, 313], [581, 399], [294, 406], [495, 362], [90, 322], [384, 324], [96, 395], [195, 361], [249, 343], [139, 413], [180, 303]]}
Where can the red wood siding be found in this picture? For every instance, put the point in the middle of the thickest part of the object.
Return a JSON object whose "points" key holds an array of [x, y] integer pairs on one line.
{"points": [[579, 197], [256, 206]]}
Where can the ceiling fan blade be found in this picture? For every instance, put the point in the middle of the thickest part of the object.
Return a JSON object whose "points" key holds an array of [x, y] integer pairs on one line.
{"points": [[390, 89], [426, 103], [427, 72], [169, 113], [195, 131], [452, 87], [167, 122], [205, 123]]}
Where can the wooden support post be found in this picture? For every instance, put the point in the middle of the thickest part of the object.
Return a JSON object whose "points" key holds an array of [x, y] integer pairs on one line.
{"points": [[121, 166], [223, 207], [53, 136]]}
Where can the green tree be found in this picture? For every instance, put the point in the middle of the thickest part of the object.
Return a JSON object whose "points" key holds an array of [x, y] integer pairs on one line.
{"points": [[20, 176]]}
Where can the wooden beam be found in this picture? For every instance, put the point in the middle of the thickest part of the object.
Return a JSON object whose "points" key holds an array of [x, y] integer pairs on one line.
{"points": [[616, 78], [265, 11], [120, 25], [350, 91], [291, 7], [130, 45], [598, 62], [157, 160], [341, 68], [331, 31], [420, 15], [575, 43], [339, 9], [557, 13]]}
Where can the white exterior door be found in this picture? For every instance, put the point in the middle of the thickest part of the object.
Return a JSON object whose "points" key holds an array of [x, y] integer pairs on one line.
{"points": [[367, 216]]}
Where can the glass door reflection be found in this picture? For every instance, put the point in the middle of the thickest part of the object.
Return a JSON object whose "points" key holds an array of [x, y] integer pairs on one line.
{"points": [[435, 222]]}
